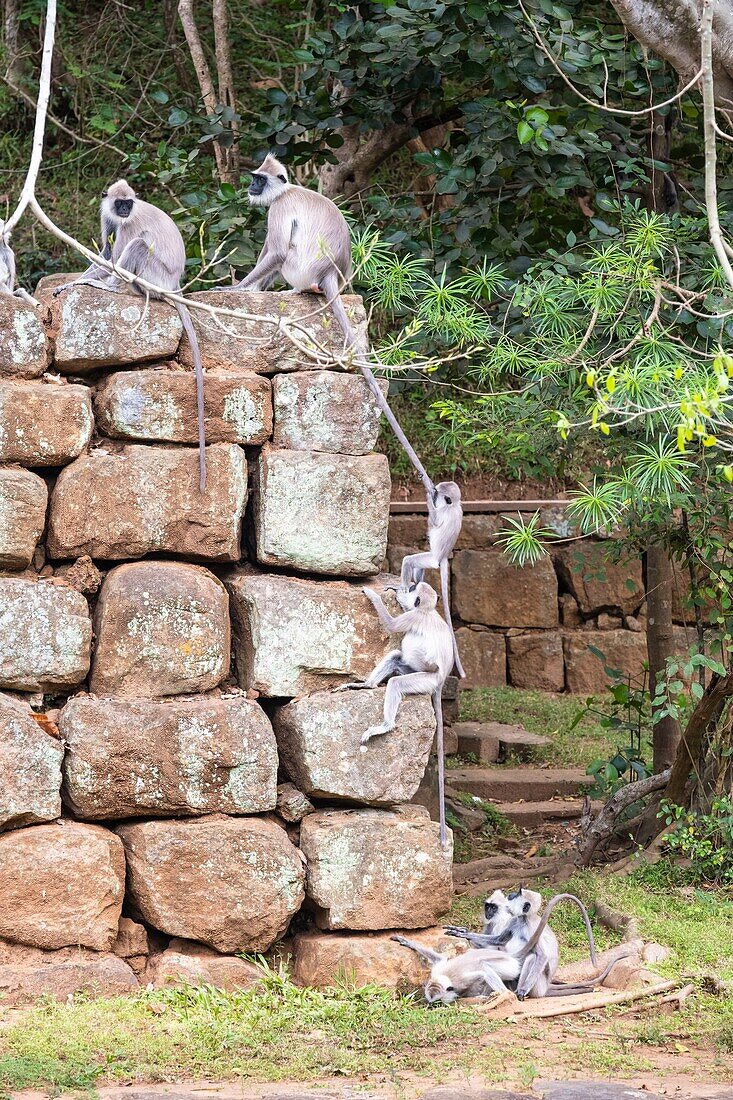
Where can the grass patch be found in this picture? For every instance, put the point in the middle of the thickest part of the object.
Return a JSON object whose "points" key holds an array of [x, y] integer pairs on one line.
{"points": [[281, 1032], [549, 715], [273, 1034]]}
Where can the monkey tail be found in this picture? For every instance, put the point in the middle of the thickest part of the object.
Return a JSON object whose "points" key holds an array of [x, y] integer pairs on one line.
{"points": [[546, 916], [196, 353], [330, 286], [445, 593], [438, 708], [569, 989]]}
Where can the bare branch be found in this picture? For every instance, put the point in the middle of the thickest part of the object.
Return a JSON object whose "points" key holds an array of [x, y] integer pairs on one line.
{"points": [[225, 76], [203, 75], [605, 822]]}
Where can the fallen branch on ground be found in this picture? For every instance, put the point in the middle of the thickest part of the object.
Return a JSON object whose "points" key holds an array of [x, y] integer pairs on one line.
{"points": [[617, 922], [544, 1008]]}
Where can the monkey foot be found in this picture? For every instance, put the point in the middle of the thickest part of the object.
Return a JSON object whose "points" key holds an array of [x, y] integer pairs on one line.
{"points": [[375, 731]]}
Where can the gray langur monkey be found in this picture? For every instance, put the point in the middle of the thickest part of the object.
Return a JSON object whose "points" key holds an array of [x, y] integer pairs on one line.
{"points": [[512, 923], [7, 270], [472, 974], [445, 518], [308, 243], [143, 239], [419, 667]]}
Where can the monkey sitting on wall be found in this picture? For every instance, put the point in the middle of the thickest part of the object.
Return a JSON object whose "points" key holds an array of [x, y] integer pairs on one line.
{"points": [[142, 239]]}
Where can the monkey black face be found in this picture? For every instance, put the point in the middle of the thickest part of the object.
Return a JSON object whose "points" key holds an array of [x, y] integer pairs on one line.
{"points": [[123, 207], [258, 184], [490, 909]]}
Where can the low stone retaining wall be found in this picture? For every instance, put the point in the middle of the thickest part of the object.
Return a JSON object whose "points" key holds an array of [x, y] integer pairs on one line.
{"points": [[533, 627]]}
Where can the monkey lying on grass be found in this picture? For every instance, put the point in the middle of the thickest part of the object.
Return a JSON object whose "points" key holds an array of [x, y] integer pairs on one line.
{"points": [[514, 928]]}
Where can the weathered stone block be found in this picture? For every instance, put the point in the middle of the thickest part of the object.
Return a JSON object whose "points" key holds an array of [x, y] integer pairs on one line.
{"points": [[483, 656], [94, 328], [24, 351], [231, 883], [162, 629], [42, 424], [62, 885], [187, 963], [145, 500], [597, 583], [536, 661], [257, 345], [488, 589], [135, 758], [319, 738], [131, 940], [322, 513], [374, 869], [622, 649], [293, 636], [45, 635], [325, 411], [23, 499], [292, 804], [160, 406], [30, 768], [322, 960], [27, 973]]}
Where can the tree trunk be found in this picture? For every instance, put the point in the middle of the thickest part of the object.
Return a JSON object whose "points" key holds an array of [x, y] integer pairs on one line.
{"points": [[660, 646], [203, 75], [707, 711], [359, 157], [671, 28], [11, 41], [225, 76]]}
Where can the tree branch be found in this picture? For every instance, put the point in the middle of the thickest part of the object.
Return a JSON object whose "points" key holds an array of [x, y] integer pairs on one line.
{"points": [[708, 710], [605, 823], [203, 75]]}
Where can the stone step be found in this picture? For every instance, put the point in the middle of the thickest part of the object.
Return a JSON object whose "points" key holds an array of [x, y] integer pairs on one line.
{"points": [[513, 784], [491, 741], [531, 815]]}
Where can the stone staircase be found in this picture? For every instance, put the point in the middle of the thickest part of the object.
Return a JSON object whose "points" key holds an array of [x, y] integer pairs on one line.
{"points": [[537, 799]]}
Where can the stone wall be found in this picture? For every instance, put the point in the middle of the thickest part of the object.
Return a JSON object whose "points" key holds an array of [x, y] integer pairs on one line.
{"points": [[179, 783], [538, 627]]}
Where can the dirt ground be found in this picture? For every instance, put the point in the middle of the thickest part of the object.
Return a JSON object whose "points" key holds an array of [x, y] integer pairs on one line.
{"points": [[686, 1073]]}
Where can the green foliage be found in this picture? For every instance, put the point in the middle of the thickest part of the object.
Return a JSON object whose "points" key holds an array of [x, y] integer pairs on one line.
{"points": [[702, 842], [276, 1032], [627, 714]]}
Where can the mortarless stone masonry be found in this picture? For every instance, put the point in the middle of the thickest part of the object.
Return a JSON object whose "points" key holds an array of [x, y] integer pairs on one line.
{"points": [[168, 763]]}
